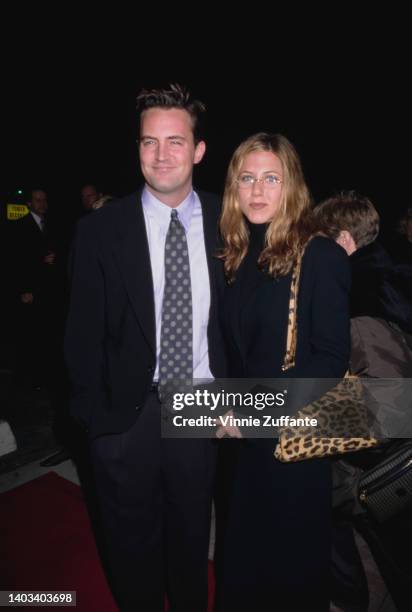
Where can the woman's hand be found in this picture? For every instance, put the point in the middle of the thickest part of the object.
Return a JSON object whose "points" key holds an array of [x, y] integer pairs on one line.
{"points": [[228, 430]]}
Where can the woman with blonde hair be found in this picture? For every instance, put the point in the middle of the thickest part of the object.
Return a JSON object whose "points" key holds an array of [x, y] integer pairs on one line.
{"points": [[274, 551]]}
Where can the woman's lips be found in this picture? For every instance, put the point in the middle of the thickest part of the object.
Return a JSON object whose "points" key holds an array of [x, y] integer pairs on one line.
{"points": [[257, 205]]}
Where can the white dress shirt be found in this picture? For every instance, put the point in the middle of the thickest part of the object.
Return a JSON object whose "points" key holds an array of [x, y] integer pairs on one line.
{"points": [[157, 220], [39, 220]]}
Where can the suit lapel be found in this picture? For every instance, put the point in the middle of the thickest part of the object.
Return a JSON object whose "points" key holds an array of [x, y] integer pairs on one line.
{"points": [[133, 257], [34, 226]]}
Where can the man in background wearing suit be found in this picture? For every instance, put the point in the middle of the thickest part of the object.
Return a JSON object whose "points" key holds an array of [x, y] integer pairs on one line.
{"points": [[143, 305], [34, 285]]}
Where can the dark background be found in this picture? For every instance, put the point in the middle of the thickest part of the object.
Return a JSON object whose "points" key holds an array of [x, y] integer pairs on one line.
{"points": [[69, 107]]}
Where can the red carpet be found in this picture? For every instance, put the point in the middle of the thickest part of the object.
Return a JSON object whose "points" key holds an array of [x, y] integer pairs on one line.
{"points": [[46, 543]]}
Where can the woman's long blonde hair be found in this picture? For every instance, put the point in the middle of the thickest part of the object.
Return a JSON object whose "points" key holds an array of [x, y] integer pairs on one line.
{"points": [[291, 228]]}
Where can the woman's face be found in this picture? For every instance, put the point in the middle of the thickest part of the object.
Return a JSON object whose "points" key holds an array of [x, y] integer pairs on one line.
{"points": [[259, 186]]}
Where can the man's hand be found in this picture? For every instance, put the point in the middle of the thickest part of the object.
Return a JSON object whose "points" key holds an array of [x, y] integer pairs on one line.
{"points": [[232, 431], [50, 258], [27, 298]]}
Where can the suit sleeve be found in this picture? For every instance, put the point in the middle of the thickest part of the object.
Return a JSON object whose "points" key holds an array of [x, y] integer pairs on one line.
{"points": [[329, 303], [83, 344]]}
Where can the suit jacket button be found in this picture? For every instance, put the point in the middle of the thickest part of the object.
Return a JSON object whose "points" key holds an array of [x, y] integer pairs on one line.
{"points": [[137, 407]]}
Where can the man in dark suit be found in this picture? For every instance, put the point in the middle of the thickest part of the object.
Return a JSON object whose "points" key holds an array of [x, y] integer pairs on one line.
{"points": [[127, 326], [34, 286], [32, 252]]}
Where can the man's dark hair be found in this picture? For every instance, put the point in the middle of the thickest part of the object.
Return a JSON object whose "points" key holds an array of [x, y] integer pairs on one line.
{"points": [[31, 190], [175, 96]]}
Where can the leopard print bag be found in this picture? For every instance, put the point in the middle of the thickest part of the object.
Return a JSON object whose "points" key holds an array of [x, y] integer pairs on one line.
{"points": [[341, 410]]}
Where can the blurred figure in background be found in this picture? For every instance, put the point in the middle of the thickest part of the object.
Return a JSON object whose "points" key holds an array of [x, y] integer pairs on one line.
{"points": [[36, 290], [377, 283], [89, 195], [381, 316], [402, 246], [39, 281]]}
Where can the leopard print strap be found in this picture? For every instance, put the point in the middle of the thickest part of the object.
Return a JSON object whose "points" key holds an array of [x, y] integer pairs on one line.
{"points": [[292, 333], [291, 336]]}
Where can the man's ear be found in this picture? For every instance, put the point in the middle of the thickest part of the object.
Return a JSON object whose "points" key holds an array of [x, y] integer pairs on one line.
{"points": [[199, 151], [346, 241]]}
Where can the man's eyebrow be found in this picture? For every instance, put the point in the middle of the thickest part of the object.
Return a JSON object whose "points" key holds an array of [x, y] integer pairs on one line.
{"points": [[172, 137]]}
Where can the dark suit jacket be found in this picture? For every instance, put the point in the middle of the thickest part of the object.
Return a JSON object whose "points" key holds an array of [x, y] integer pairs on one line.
{"points": [[30, 244], [380, 288], [110, 343]]}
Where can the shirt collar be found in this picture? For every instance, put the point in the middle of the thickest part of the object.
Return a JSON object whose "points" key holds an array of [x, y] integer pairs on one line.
{"points": [[161, 212], [37, 218]]}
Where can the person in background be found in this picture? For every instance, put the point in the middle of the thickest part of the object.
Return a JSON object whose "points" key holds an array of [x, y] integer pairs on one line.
{"points": [[378, 284], [36, 290], [381, 316], [40, 286], [89, 195], [402, 245]]}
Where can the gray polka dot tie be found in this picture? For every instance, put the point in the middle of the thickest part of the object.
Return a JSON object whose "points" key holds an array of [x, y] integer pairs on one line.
{"points": [[176, 352]]}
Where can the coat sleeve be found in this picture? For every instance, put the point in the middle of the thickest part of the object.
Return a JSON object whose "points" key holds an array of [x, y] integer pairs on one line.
{"points": [[84, 334], [329, 272]]}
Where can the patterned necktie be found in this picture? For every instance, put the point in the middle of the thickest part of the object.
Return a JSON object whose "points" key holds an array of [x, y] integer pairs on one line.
{"points": [[176, 352]]}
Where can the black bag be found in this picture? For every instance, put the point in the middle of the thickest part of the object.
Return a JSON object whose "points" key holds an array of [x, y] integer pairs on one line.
{"points": [[386, 489]]}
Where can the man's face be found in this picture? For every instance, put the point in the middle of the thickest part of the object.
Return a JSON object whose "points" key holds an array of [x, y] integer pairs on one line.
{"points": [[168, 153], [38, 203], [89, 196]]}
